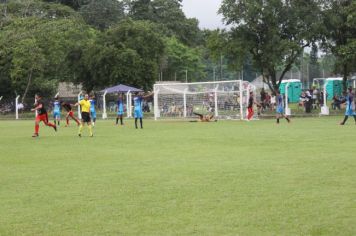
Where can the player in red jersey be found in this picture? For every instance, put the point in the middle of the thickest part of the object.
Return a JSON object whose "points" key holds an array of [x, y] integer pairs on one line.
{"points": [[68, 108], [41, 116]]}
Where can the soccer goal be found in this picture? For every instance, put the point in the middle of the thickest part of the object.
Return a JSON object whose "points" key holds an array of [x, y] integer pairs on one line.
{"points": [[224, 99]]}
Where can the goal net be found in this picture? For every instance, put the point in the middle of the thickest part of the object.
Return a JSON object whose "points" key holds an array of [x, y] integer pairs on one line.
{"points": [[224, 99]]}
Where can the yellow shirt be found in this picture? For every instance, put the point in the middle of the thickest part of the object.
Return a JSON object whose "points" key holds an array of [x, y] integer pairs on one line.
{"points": [[85, 105]]}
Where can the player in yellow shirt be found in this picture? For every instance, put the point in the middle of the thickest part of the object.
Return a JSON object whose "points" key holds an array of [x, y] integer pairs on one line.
{"points": [[85, 107]]}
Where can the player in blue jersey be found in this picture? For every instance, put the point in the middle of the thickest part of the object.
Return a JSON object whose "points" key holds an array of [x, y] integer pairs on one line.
{"points": [[120, 110], [92, 109], [350, 106], [57, 111], [138, 113], [280, 108]]}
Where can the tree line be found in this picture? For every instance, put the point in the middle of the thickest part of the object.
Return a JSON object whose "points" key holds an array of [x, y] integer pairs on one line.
{"points": [[137, 42]]}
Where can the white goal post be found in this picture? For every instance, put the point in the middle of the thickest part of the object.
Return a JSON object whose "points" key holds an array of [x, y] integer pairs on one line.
{"points": [[224, 99]]}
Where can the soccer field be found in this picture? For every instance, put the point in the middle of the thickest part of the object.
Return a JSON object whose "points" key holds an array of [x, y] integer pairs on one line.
{"points": [[180, 178]]}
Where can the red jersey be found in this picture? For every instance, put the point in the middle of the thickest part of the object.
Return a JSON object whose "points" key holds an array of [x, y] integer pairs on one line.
{"points": [[42, 110]]}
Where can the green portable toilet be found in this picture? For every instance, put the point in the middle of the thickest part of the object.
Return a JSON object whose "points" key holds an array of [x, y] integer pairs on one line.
{"points": [[333, 87], [294, 89]]}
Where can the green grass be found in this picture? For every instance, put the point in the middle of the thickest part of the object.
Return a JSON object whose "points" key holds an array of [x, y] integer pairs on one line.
{"points": [[180, 178]]}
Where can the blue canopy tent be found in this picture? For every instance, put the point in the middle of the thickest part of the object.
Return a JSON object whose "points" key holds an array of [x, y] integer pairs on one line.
{"points": [[120, 89]]}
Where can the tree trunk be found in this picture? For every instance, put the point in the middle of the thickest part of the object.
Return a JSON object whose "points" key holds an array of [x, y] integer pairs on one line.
{"points": [[344, 81], [27, 87], [273, 75]]}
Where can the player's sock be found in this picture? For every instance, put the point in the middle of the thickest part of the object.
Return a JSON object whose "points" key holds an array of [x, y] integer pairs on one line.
{"points": [[67, 120], [288, 119], [141, 123], [121, 122], [136, 123], [80, 129], [37, 128], [90, 130], [58, 123], [277, 120], [55, 122], [117, 120]]}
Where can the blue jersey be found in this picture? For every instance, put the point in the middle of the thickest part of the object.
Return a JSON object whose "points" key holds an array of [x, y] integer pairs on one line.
{"points": [[350, 105], [120, 106], [92, 105], [138, 103], [57, 106], [280, 101], [280, 108], [138, 107]]}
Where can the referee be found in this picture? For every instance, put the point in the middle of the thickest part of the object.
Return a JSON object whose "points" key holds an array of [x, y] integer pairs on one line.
{"points": [[85, 106]]}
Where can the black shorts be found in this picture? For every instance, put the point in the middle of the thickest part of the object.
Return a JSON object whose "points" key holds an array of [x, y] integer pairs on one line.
{"points": [[85, 117]]}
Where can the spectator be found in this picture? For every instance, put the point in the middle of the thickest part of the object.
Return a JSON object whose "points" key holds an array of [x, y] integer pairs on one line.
{"points": [[321, 98], [263, 96], [302, 100], [336, 104], [308, 102], [315, 97], [273, 101]]}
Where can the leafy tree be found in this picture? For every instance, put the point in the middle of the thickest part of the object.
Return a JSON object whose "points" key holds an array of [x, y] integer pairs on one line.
{"points": [[13, 9], [272, 33], [103, 14], [36, 50], [327, 64], [75, 4], [168, 14], [341, 24], [181, 59], [314, 69], [127, 53]]}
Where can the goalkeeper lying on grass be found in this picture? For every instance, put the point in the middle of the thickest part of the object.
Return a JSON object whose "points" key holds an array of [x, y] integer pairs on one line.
{"points": [[204, 118]]}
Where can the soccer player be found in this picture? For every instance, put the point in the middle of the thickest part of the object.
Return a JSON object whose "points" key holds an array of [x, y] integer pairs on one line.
{"points": [[41, 116], [92, 110], [57, 111], [280, 108], [138, 99], [120, 110], [350, 106], [85, 107], [206, 118], [68, 108]]}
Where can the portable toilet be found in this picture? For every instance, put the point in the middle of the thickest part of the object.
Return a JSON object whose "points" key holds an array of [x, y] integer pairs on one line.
{"points": [[294, 89], [333, 87]]}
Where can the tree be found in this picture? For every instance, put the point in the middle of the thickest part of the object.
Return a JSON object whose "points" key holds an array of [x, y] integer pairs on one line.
{"points": [[272, 33], [341, 24], [33, 8], [168, 14], [180, 59], [314, 69], [103, 14], [36, 47], [327, 64], [75, 4], [127, 53]]}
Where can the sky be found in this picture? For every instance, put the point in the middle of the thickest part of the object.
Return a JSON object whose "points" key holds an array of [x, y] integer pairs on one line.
{"points": [[205, 11]]}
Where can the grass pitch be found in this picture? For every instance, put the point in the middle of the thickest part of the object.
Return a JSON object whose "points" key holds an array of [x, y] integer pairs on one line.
{"points": [[180, 178]]}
